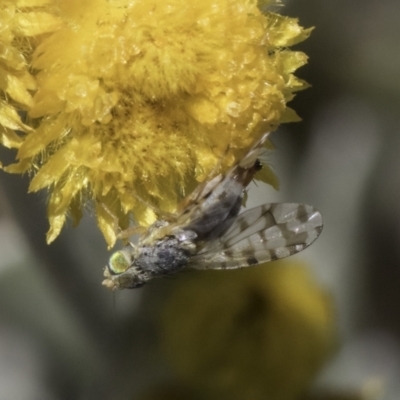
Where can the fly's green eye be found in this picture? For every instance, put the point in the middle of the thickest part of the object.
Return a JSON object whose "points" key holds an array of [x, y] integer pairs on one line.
{"points": [[118, 263]]}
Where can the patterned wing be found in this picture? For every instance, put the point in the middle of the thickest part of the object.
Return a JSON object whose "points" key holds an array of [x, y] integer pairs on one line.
{"points": [[262, 234]]}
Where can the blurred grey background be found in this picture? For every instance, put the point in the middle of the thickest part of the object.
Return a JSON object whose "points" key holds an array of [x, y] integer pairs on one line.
{"points": [[64, 336]]}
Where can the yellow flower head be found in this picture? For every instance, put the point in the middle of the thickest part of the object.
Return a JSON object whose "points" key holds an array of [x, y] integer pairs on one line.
{"points": [[257, 334], [131, 103]]}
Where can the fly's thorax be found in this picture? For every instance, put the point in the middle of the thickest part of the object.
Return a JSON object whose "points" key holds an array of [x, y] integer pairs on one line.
{"points": [[165, 256]]}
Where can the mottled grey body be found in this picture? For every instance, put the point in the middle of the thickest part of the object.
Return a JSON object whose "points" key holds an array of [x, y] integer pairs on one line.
{"points": [[209, 233], [166, 256]]}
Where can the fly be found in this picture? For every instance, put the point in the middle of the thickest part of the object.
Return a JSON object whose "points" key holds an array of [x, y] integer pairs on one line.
{"points": [[209, 233]]}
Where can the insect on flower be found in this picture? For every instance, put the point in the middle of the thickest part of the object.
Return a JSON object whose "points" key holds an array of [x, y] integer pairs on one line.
{"points": [[209, 233]]}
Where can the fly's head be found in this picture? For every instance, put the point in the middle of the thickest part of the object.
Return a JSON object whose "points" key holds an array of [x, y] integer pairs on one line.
{"points": [[121, 273]]}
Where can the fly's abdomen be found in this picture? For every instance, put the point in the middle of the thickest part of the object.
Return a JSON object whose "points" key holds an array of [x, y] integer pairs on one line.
{"points": [[216, 213]]}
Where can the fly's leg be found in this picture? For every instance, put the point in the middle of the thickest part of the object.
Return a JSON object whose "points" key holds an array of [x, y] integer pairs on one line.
{"points": [[133, 230]]}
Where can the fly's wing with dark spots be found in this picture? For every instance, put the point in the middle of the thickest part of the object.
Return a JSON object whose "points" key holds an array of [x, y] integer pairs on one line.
{"points": [[262, 234]]}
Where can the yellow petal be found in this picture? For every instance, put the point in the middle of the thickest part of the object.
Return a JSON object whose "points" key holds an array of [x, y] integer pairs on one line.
{"points": [[52, 171], [291, 60], [11, 57], [56, 224], [19, 168], [47, 132], [16, 88], [106, 224], [64, 193], [9, 118], [288, 32], [290, 115], [10, 139], [268, 176], [35, 23], [32, 3]]}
